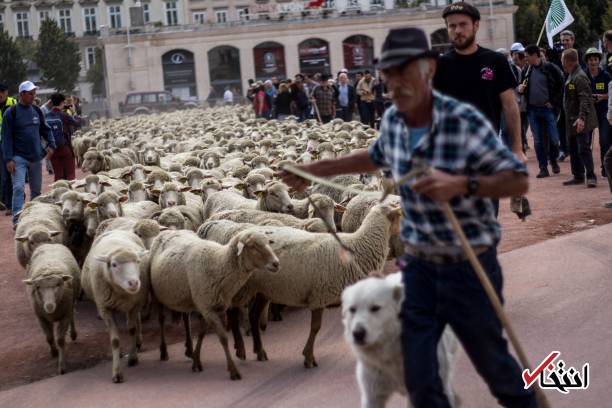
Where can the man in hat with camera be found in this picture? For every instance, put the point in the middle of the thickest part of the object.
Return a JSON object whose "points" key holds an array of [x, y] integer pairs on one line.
{"points": [[469, 166]]}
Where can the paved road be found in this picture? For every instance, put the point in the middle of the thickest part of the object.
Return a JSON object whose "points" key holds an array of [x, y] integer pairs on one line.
{"points": [[558, 297]]}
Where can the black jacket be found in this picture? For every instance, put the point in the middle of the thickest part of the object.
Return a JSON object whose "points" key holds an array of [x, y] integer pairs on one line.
{"points": [[555, 81], [352, 96]]}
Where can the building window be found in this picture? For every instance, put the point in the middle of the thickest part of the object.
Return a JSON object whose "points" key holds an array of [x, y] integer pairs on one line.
{"points": [[114, 13], [243, 14], [171, 13], [89, 15], [65, 20], [146, 14], [42, 16], [23, 24], [199, 17], [90, 57], [221, 16]]}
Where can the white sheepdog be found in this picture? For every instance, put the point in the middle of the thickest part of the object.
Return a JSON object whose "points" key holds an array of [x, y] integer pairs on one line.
{"points": [[370, 310]]}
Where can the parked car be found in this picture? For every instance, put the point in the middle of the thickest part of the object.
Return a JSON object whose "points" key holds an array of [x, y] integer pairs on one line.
{"points": [[151, 102], [95, 110]]}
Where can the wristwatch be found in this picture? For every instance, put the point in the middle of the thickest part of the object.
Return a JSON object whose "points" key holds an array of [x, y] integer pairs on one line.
{"points": [[472, 185]]}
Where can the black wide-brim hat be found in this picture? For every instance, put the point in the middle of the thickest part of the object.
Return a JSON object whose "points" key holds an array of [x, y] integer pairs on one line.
{"points": [[402, 46]]}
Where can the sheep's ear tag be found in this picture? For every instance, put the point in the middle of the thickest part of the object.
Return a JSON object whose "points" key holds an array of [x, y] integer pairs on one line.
{"points": [[339, 208], [311, 211], [259, 194], [240, 247]]}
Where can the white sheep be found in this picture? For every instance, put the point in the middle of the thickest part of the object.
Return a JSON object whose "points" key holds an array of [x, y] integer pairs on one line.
{"points": [[115, 277], [314, 271], [39, 223], [144, 229], [324, 208], [275, 198], [189, 274], [264, 218], [54, 286]]}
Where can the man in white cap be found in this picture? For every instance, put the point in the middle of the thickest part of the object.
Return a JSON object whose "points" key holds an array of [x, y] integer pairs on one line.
{"points": [[26, 140]]}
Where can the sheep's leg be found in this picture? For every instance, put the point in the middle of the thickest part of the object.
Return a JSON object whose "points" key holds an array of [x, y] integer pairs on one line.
{"points": [[109, 319], [233, 317], [315, 325], [196, 366], [275, 311], [73, 332], [132, 323], [47, 327], [139, 331], [254, 316], [62, 328], [217, 323], [188, 339], [163, 348], [263, 317]]}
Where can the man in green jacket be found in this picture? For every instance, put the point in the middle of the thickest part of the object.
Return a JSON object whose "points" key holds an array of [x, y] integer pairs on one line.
{"points": [[6, 185], [580, 120]]}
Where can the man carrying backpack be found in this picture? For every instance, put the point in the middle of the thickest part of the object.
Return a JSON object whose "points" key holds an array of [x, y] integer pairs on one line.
{"points": [[61, 123], [25, 139]]}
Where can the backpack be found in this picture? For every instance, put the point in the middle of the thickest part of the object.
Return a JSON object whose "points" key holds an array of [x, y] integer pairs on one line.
{"points": [[54, 120]]}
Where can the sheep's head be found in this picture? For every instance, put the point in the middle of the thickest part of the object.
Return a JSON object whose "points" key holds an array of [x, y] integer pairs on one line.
{"points": [[253, 184], [324, 209], [123, 269], [137, 172], [194, 178], [207, 187], [147, 230], [137, 192], [255, 252], [72, 206], [37, 236], [157, 178], [210, 161], [170, 218], [150, 156], [93, 161], [171, 194], [90, 220], [108, 205], [275, 198], [48, 290], [60, 183]]}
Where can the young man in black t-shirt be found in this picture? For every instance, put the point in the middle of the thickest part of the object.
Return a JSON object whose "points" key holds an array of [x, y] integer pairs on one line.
{"points": [[478, 75]]}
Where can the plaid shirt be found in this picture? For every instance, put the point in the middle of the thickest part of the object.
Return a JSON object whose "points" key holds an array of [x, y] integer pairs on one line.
{"points": [[460, 141], [325, 100]]}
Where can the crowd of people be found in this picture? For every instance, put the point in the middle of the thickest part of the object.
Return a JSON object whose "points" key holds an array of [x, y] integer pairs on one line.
{"points": [[319, 96], [30, 132]]}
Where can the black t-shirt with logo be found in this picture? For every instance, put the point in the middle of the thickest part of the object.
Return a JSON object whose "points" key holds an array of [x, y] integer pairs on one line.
{"points": [[477, 78]]}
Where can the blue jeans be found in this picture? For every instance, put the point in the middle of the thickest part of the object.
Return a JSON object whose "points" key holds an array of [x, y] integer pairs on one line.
{"points": [[23, 167], [539, 118], [437, 295], [605, 139]]}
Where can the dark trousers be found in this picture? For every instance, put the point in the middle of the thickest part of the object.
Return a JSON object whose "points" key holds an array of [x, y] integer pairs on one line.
{"points": [[608, 166], [563, 143], [605, 139], [326, 118], [368, 113], [437, 295], [524, 126], [345, 113], [581, 155], [542, 119], [63, 163], [6, 184]]}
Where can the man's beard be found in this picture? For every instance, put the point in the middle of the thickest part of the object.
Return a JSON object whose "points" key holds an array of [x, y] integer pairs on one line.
{"points": [[467, 42]]}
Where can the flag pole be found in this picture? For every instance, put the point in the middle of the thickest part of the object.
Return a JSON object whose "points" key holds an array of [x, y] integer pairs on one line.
{"points": [[541, 33]]}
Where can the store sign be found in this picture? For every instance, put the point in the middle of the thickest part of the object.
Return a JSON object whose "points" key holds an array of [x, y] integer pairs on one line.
{"points": [[177, 58]]}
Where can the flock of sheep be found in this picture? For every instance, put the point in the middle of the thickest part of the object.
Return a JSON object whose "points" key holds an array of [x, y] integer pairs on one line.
{"points": [[182, 213]]}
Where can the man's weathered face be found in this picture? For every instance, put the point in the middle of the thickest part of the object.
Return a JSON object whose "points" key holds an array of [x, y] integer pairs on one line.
{"points": [[27, 98], [343, 79], [567, 41], [409, 85], [3, 95], [593, 61], [461, 30], [607, 44], [368, 76], [568, 66]]}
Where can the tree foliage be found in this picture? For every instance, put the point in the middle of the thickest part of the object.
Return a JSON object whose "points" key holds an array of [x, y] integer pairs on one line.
{"points": [[58, 57], [588, 26], [12, 68], [95, 74]]}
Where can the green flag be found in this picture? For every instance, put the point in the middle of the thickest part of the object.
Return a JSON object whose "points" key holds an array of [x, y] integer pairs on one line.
{"points": [[557, 19]]}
